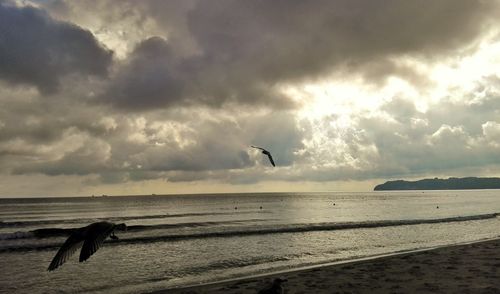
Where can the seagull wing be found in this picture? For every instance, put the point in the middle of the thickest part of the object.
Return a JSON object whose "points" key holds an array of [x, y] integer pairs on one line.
{"points": [[96, 235], [258, 148], [69, 247], [270, 158]]}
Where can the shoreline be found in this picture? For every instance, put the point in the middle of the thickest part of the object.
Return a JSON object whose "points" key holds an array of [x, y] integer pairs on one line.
{"points": [[441, 269]]}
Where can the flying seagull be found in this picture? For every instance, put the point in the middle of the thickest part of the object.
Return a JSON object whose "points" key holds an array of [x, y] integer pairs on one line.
{"points": [[264, 151], [92, 237]]}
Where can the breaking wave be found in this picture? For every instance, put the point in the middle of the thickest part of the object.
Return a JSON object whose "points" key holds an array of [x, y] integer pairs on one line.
{"points": [[7, 224], [218, 232]]}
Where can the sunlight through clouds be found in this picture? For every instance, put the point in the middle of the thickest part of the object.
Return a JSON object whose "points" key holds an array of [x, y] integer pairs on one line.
{"points": [[175, 92]]}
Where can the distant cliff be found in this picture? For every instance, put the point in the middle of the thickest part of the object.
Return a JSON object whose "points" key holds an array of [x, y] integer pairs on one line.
{"points": [[441, 184]]}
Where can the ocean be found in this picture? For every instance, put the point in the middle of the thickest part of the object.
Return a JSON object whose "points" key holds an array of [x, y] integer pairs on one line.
{"points": [[180, 240]]}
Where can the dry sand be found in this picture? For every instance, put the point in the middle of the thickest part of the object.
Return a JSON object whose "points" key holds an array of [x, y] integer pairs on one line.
{"points": [[471, 268]]}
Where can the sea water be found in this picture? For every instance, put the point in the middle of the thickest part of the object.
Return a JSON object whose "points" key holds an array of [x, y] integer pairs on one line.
{"points": [[180, 240]]}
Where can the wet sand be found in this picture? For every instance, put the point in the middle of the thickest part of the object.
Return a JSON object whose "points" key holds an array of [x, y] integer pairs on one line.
{"points": [[471, 268]]}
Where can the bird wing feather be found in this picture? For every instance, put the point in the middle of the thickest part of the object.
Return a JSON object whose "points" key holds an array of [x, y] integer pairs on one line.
{"points": [[69, 247], [271, 159], [96, 235], [258, 148], [266, 153]]}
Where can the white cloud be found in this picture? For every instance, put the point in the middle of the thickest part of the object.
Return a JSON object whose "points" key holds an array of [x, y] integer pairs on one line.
{"points": [[383, 95], [491, 132]]}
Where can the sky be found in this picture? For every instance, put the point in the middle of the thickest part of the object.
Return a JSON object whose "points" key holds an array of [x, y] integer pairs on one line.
{"points": [[140, 97]]}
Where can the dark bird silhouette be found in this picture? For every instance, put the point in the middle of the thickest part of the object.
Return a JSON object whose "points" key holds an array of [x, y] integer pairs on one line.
{"points": [[91, 236], [264, 151], [275, 288]]}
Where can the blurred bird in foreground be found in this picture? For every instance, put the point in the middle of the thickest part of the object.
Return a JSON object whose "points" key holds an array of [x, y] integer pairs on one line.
{"points": [[91, 236]]}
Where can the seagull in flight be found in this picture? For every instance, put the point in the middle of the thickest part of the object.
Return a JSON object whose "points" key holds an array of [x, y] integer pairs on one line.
{"points": [[91, 236], [264, 151]]}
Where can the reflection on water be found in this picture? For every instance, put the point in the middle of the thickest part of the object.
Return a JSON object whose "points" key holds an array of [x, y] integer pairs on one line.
{"points": [[139, 266]]}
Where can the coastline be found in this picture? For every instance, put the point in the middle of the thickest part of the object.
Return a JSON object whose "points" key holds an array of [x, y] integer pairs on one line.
{"points": [[459, 268]]}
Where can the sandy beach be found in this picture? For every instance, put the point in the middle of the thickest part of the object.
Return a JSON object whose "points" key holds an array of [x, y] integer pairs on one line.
{"points": [[470, 268]]}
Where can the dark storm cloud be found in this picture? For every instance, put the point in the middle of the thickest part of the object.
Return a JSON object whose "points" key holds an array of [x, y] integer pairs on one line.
{"points": [[154, 76], [43, 121], [240, 51], [90, 157], [38, 50], [149, 79], [283, 40]]}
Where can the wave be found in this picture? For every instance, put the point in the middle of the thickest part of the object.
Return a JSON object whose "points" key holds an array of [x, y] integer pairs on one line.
{"points": [[6, 224], [298, 228], [54, 232], [277, 229], [58, 232], [16, 235]]}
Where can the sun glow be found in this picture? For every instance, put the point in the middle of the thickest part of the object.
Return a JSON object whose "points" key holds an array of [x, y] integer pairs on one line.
{"points": [[463, 75], [347, 98], [333, 107]]}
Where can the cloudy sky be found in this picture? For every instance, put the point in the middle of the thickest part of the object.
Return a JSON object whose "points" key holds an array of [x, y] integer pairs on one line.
{"points": [[141, 97]]}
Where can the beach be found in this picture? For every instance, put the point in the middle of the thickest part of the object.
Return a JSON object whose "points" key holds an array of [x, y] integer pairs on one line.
{"points": [[469, 268]]}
